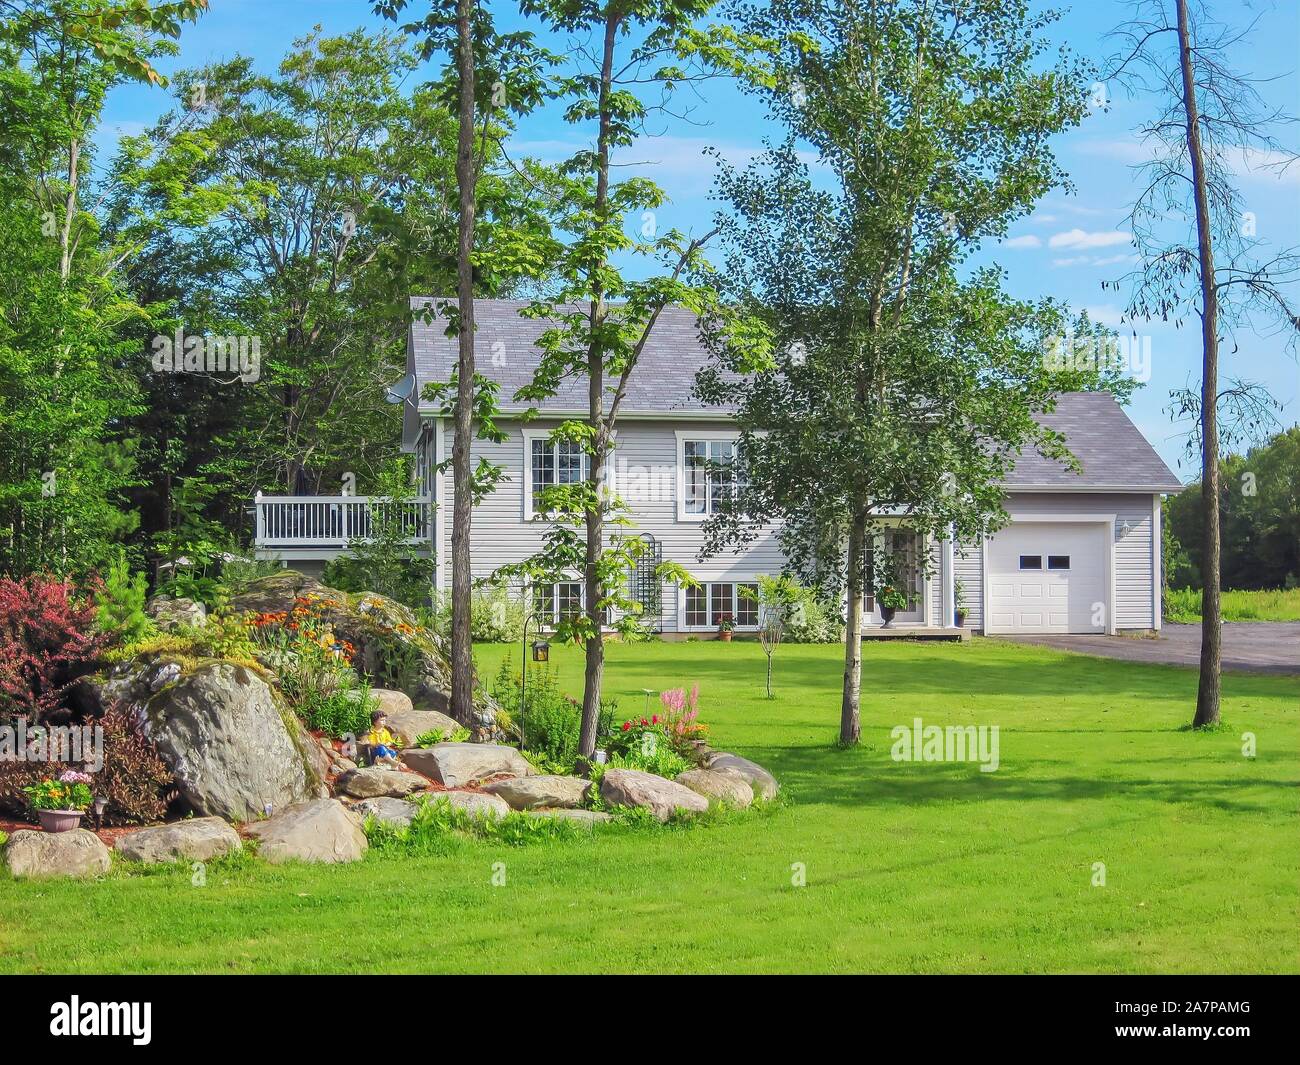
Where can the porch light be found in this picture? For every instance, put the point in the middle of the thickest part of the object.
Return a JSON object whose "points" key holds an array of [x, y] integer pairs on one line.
{"points": [[541, 651]]}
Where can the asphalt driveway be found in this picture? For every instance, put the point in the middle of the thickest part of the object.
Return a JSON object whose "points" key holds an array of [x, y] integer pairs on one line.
{"points": [[1248, 646]]}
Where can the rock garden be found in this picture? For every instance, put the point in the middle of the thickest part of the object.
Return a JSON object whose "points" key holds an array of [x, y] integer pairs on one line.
{"points": [[210, 733]]}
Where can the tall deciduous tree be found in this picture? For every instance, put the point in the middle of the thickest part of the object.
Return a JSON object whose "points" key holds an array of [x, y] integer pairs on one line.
{"points": [[901, 388], [603, 320], [492, 76], [1200, 254]]}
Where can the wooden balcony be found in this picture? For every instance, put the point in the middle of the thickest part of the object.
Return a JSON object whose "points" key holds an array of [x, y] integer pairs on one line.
{"points": [[327, 524]]}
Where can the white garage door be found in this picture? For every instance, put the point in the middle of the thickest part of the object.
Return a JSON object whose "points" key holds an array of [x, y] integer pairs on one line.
{"points": [[1048, 577]]}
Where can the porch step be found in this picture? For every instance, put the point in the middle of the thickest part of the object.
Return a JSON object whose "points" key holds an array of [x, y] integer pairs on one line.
{"points": [[919, 632]]}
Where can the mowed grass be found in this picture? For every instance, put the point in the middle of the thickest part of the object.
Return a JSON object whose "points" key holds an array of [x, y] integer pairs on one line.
{"points": [[1184, 605], [910, 867]]}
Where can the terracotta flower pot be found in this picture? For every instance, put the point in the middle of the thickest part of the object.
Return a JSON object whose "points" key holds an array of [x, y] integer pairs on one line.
{"points": [[60, 820], [725, 635]]}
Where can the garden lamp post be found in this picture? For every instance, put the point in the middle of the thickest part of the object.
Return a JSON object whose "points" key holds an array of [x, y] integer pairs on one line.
{"points": [[541, 653]]}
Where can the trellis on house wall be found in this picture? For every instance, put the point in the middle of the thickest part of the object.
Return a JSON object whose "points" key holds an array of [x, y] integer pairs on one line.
{"points": [[643, 578]]}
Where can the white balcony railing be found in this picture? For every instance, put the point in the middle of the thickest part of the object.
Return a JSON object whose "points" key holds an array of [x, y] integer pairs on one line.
{"points": [[334, 521]]}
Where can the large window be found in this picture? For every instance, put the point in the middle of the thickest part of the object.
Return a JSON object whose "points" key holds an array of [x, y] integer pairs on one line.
{"points": [[708, 604], [551, 463], [711, 474], [554, 602]]}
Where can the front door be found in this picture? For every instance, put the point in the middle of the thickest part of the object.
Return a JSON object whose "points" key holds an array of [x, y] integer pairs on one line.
{"points": [[900, 545]]}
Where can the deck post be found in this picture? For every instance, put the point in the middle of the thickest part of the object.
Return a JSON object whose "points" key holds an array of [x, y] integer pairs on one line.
{"points": [[948, 584]]}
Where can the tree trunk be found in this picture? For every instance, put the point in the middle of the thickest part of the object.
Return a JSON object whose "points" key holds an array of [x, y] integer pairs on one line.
{"points": [[593, 674], [462, 657], [1207, 694], [850, 719]]}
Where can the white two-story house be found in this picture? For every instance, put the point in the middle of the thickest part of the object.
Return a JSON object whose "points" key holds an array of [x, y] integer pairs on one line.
{"points": [[1080, 555]]}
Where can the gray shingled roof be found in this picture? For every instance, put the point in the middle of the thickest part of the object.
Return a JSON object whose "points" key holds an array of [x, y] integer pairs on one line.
{"points": [[1113, 452], [505, 351]]}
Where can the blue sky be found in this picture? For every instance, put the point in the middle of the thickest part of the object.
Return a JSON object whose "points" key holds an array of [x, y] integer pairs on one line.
{"points": [[1066, 249]]}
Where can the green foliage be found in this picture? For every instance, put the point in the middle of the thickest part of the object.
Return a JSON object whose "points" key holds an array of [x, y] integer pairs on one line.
{"points": [[343, 711], [69, 791], [1184, 605], [815, 620], [120, 600], [1259, 515], [434, 736], [440, 828], [552, 721]]}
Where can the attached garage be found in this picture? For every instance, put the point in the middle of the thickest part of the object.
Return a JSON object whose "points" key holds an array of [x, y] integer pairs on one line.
{"points": [[1050, 576]]}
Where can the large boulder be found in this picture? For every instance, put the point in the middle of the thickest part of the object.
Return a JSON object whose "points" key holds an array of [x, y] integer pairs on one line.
{"points": [[169, 613], [721, 785], [763, 783], [528, 793], [456, 764], [225, 733], [410, 725], [40, 854], [375, 781], [323, 830], [475, 803], [383, 632], [197, 840], [632, 787]]}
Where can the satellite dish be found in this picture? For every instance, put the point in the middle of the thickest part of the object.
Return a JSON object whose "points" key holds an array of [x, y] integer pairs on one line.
{"points": [[400, 392]]}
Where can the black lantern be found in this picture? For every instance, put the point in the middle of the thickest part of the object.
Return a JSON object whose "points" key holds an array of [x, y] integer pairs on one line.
{"points": [[101, 802], [541, 651]]}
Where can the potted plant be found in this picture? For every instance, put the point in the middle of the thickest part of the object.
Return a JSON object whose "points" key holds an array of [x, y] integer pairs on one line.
{"points": [[959, 604], [890, 600], [726, 626], [60, 804]]}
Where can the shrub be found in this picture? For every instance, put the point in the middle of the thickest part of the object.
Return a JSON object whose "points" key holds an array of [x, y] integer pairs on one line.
{"points": [[48, 641], [134, 778], [552, 721], [814, 620], [120, 603], [496, 616], [343, 711]]}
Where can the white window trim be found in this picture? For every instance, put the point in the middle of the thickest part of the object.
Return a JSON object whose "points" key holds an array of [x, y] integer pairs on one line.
{"points": [[526, 475], [709, 436], [682, 593]]}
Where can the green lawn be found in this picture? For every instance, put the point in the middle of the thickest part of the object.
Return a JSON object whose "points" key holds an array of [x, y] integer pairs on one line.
{"points": [[1184, 605], [911, 867]]}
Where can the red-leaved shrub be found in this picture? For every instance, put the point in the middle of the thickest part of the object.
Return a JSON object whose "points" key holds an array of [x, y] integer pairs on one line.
{"points": [[134, 778], [48, 640]]}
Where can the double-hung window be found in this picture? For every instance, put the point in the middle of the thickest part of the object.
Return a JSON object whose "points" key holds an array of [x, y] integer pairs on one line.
{"points": [[550, 463], [709, 604], [711, 474], [554, 603]]}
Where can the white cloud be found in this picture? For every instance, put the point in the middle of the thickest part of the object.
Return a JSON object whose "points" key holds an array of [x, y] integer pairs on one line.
{"points": [[1027, 241], [1105, 313], [1081, 239], [1248, 163]]}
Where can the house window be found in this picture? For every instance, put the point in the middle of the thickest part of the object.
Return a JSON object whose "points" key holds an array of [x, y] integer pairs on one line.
{"points": [[1058, 561], [708, 604], [554, 462], [711, 475], [555, 602], [1031, 561]]}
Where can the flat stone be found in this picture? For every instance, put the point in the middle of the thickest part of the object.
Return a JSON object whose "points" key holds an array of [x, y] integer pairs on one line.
{"points": [[40, 854], [759, 778], [197, 840], [587, 818], [322, 830], [397, 813], [527, 793], [410, 724], [456, 764], [720, 785], [632, 787], [373, 782]]}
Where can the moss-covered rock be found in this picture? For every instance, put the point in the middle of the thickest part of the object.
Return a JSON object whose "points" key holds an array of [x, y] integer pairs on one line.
{"points": [[393, 648]]}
